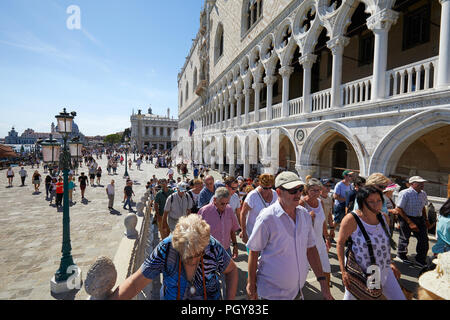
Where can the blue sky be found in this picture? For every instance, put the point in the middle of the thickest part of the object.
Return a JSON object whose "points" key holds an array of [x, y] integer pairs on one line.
{"points": [[126, 56]]}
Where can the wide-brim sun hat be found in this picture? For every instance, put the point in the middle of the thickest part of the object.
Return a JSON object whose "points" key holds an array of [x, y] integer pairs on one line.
{"points": [[288, 180], [416, 179], [437, 281]]}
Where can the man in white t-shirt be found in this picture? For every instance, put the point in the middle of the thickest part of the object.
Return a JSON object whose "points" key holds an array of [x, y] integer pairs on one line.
{"points": [[235, 203], [23, 174], [110, 193], [258, 199], [283, 246], [170, 173]]}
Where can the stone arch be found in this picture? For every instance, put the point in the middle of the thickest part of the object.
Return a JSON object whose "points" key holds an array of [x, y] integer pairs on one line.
{"points": [[267, 47], [313, 143], [397, 140], [281, 31]]}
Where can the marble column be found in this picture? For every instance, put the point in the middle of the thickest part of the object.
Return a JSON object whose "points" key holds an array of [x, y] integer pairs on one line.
{"points": [[257, 87], [443, 72], [285, 72], [269, 81], [380, 25], [247, 105], [238, 97], [336, 45], [307, 62]]}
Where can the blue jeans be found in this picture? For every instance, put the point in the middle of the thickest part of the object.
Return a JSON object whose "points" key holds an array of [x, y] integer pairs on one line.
{"points": [[128, 200]]}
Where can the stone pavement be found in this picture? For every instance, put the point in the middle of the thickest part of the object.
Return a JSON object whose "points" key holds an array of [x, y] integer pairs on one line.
{"points": [[31, 230], [31, 236]]}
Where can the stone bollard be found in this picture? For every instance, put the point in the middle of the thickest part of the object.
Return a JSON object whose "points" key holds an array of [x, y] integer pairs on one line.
{"points": [[140, 209], [100, 279], [130, 224]]}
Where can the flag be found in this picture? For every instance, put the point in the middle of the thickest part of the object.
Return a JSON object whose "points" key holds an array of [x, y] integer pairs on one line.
{"points": [[191, 128]]}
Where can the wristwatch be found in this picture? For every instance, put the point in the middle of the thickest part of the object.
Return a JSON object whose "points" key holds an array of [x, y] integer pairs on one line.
{"points": [[234, 244], [321, 278]]}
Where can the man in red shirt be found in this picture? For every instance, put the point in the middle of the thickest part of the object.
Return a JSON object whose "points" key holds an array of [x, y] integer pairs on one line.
{"points": [[59, 192]]}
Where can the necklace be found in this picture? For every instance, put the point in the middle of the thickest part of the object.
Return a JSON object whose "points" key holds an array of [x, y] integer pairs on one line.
{"points": [[192, 287]]}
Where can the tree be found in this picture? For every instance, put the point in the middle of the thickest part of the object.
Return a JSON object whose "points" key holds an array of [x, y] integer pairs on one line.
{"points": [[113, 138]]}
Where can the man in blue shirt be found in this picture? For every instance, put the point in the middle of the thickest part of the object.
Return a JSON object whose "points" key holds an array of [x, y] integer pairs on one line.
{"points": [[413, 219], [207, 192]]}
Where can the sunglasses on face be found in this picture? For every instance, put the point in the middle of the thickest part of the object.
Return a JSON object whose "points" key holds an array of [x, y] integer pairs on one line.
{"points": [[293, 191]]}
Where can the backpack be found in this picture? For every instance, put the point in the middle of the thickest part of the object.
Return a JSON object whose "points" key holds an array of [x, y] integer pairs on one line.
{"points": [[194, 208]]}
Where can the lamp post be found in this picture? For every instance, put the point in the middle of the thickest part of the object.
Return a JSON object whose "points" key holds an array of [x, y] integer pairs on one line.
{"points": [[68, 276], [126, 153]]}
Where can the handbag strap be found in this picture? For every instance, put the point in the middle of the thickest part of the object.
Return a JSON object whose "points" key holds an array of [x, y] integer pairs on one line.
{"points": [[262, 199], [366, 237], [383, 225]]}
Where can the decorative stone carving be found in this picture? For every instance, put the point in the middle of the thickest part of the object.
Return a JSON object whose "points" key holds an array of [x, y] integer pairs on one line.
{"points": [[101, 278], [130, 222]]}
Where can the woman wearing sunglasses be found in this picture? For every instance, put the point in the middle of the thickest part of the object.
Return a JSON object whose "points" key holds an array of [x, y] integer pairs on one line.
{"points": [[190, 260]]}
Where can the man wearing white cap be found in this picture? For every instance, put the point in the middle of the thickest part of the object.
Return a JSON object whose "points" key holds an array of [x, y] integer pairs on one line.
{"points": [[177, 205], [411, 204], [283, 238]]}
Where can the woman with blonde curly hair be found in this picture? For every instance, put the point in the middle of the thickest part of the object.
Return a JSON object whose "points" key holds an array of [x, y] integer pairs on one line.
{"points": [[190, 260]]}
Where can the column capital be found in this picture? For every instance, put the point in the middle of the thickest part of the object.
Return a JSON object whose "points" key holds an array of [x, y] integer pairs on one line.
{"points": [[247, 91], [286, 71], [258, 86], [337, 44], [270, 80], [307, 60], [383, 20], [239, 96], [442, 1]]}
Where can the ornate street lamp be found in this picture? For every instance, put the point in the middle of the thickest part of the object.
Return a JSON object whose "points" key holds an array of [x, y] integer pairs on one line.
{"points": [[51, 150], [75, 150], [68, 276]]}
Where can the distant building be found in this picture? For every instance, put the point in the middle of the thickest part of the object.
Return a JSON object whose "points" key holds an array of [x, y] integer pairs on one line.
{"points": [[29, 136], [150, 131]]}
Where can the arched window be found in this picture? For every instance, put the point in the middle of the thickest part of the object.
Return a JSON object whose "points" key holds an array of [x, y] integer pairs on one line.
{"points": [[219, 43], [253, 11], [195, 79], [187, 91], [181, 99]]}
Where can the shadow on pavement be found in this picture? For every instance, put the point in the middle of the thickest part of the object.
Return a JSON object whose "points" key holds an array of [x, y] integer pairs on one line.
{"points": [[71, 295]]}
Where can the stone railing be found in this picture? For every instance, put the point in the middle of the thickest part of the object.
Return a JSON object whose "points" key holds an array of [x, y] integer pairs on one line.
{"points": [[414, 77], [251, 117], [296, 106], [357, 91], [141, 236], [262, 114], [276, 111], [321, 100]]}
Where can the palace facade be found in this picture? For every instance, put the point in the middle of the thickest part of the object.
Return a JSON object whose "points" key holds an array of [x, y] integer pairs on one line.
{"points": [[321, 86], [152, 132]]}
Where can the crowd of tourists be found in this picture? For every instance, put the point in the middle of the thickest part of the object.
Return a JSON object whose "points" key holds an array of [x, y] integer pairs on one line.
{"points": [[288, 226]]}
